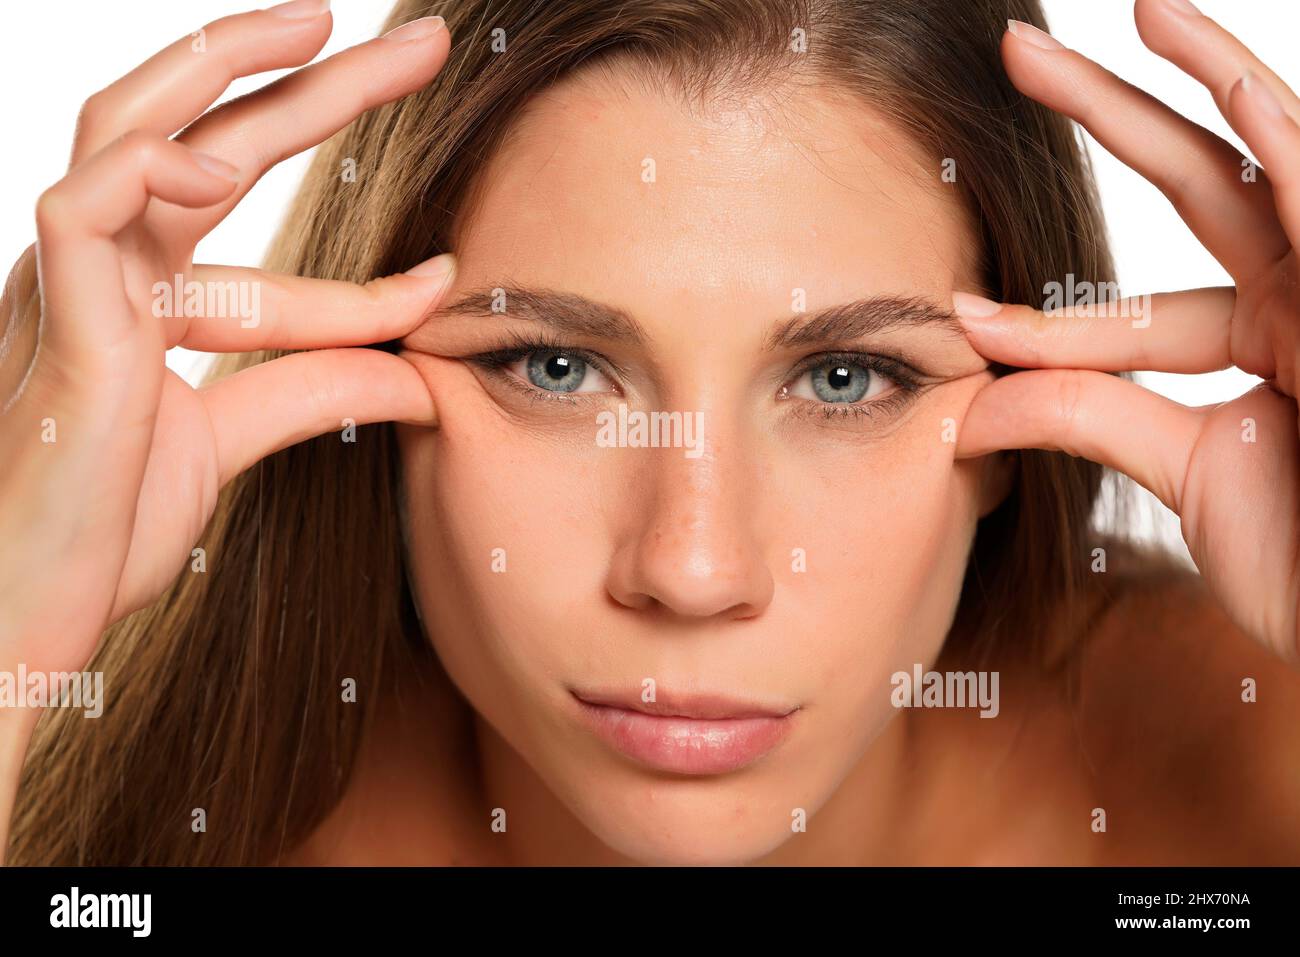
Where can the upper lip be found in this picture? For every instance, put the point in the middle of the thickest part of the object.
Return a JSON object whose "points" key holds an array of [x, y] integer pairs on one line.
{"points": [[707, 706]]}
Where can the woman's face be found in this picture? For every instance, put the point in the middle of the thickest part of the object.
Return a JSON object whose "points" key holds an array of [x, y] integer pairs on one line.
{"points": [[779, 274]]}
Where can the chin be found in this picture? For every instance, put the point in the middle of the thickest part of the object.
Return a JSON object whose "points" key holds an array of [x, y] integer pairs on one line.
{"points": [[692, 822]]}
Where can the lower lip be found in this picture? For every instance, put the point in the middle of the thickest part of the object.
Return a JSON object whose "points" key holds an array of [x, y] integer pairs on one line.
{"points": [[686, 745]]}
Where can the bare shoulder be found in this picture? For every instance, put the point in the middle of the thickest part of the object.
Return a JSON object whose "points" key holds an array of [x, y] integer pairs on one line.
{"points": [[1190, 728]]}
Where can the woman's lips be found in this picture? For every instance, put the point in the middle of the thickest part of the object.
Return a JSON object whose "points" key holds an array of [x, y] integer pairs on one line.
{"points": [[711, 736]]}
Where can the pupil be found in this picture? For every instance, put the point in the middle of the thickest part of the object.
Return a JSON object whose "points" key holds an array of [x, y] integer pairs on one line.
{"points": [[839, 378], [557, 367]]}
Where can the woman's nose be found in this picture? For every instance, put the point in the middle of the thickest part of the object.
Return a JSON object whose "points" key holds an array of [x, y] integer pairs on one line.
{"points": [[693, 548]]}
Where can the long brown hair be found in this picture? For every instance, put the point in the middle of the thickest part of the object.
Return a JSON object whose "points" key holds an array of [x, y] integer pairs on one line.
{"points": [[225, 695]]}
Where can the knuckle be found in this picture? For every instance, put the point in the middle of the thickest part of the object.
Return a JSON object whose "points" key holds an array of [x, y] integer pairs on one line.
{"points": [[53, 210], [93, 110], [1069, 395], [381, 292], [1140, 357], [142, 148], [319, 391]]}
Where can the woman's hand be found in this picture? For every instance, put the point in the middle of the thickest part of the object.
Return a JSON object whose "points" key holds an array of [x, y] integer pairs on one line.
{"points": [[1230, 471], [112, 463]]}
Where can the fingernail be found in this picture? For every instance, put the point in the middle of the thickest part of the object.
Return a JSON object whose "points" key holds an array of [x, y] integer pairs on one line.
{"points": [[215, 166], [300, 9], [1258, 90], [1031, 34], [416, 29], [974, 307], [1183, 6], [437, 267]]}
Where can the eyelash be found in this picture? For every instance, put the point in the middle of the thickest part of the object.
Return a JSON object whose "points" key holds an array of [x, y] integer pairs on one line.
{"points": [[905, 379]]}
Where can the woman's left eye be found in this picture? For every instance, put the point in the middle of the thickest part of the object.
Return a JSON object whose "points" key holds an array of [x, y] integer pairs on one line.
{"points": [[838, 380]]}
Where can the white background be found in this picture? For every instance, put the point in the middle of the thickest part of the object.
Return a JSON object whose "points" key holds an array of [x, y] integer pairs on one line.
{"points": [[53, 55]]}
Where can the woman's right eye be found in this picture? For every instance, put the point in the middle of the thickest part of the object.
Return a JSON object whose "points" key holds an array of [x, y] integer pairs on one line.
{"points": [[558, 371]]}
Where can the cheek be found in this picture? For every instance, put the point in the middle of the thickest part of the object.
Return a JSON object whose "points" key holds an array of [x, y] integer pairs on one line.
{"points": [[890, 520], [513, 527], [505, 534], [886, 527]]}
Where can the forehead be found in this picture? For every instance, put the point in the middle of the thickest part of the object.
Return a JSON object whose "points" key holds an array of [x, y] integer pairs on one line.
{"points": [[625, 193]]}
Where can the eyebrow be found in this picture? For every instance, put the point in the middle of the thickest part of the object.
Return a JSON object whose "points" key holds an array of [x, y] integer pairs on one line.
{"points": [[565, 312], [860, 318], [575, 315]]}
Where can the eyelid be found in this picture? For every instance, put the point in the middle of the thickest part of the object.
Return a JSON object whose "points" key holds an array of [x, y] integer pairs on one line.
{"points": [[538, 340]]}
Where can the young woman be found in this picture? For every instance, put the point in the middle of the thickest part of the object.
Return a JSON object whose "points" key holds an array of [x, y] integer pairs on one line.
{"points": [[700, 512]]}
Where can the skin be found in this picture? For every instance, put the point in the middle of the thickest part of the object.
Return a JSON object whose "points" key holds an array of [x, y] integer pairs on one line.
{"points": [[691, 574], [689, 581], [563, 208], [1149, 727]]}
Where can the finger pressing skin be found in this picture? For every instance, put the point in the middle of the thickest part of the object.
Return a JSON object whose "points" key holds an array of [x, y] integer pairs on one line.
{"points": [[85, 306], [312, 393], [178, 83], [1200, 173], [265, 310], [305, 108], [1100, 417], [1184, 332]]}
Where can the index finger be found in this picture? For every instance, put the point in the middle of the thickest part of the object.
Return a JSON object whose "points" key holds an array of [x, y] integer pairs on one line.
{"points": [[303, 109], [1199, 172], [1203, 49], [258, 310], [176, 84]]}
